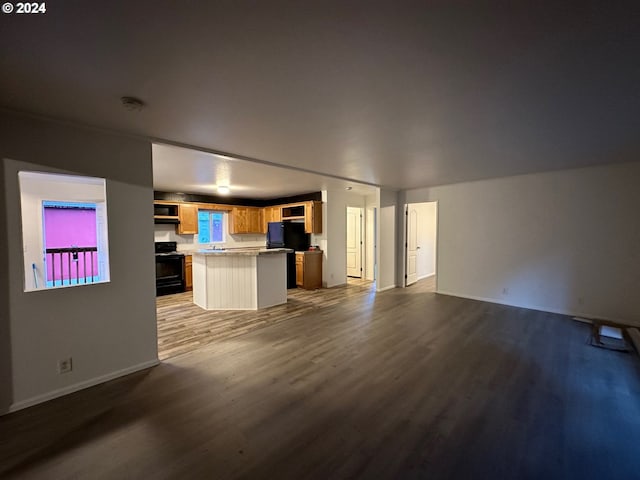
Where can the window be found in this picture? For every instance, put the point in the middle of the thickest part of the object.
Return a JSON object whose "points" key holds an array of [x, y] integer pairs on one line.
{"points": [[210, 226], [64, 230], [70, 243]]}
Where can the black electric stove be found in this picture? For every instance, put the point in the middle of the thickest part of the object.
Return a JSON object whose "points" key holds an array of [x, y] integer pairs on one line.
{"points": [[169, 269]]}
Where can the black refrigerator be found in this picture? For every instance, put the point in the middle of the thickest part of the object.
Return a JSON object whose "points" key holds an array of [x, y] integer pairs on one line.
{"points": [[288, 235]]}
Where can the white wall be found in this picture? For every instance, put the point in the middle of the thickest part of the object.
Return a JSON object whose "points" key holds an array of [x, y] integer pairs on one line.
{"points": [[333, 240], [371, 209], [565, 241], [387, 244], [109, 329], [427, 222]]}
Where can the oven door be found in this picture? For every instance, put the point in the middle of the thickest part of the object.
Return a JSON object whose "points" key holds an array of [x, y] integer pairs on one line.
{"points": [[169, 274]]}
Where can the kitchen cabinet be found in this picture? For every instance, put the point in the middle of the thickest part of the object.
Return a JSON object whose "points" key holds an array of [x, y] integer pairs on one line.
{"points": [[299, 269], [165, 212], [313, 217], [242, 220], [245, 220], [188, 216], [188, 273], [271, 214], [310, 212], [256, 219], [183, 215], [293, 211], [309, 269]]}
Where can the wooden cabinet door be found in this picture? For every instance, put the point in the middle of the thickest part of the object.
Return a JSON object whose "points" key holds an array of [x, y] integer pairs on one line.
{"points": [[245, 220], [300, 269], [238, 220], [188, 273], [317, 217], [313, 217], [312, 270], [188, 216], [271, 214], [266, 215], [308, 217], [309, 270], [276, 214], [255, 220]]}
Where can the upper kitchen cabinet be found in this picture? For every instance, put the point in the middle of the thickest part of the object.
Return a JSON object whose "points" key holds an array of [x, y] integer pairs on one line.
{"points": [[255, 220], [310, 212], [245, 220], [271, 214], [165, 212], [313, 217], [188, 215]]}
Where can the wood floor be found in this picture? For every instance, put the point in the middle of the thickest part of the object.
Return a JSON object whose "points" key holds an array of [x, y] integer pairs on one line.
{"points": [[404, 384], [184, 327]]}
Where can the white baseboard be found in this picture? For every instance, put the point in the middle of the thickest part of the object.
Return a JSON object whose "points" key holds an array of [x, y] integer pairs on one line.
{"points": [[80, 386], [427, 276], [571, 313], [385, 288]]}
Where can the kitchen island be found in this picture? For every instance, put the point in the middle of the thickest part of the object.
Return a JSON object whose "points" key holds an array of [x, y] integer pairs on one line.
{"points": [[244, 279]]}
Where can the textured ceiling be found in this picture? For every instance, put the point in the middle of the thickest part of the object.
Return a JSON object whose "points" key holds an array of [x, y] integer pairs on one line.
{"points": [[399, 94], [186, 170]]}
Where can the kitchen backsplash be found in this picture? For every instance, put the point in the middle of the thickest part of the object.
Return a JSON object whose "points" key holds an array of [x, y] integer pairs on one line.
{"points": [[167, 233]]}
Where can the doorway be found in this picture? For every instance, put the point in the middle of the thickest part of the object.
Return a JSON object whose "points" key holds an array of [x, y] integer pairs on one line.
{"points": [[421, 220], [354, 242]]}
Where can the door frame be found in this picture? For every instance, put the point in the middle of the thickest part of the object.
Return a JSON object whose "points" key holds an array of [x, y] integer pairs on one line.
{"points": [[370, 243], [404, 244], [407, 215], [361, 245]]}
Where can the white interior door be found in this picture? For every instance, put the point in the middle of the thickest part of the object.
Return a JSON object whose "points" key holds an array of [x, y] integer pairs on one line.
{"points": [[412, 245], [354, 242]]}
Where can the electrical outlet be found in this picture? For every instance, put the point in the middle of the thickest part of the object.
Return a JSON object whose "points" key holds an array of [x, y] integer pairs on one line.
{"points": [[65, 365]]}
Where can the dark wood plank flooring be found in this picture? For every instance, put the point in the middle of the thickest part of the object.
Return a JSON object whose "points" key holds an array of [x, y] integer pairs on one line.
{"points": [[403, 384]]}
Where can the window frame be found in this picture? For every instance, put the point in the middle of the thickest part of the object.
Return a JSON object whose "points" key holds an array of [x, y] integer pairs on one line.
{"points": [[223, 226], [37, 189]]}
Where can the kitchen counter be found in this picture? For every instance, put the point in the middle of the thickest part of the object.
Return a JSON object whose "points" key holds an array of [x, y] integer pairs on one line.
{"points": [[241, 279], [252, 252]]}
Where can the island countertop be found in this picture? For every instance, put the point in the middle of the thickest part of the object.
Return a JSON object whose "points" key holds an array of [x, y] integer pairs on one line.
{"points": [[242, 279], [250, 252]]}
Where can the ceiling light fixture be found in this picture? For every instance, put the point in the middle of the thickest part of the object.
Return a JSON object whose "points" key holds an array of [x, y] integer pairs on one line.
{"points": [[348, 188], [223, 189], [132, 104]]}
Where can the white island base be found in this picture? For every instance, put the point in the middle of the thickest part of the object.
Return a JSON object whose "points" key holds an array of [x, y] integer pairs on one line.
{"points": [[239, 280]]}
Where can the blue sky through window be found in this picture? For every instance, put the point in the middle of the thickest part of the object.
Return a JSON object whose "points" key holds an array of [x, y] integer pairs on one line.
{"points": [[210, 227]]}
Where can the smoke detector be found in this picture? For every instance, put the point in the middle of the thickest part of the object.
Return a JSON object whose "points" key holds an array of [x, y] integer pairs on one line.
{"points": [[132, 104]]}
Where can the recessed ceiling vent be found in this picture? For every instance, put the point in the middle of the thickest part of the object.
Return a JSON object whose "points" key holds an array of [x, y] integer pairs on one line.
{"points": [[132, 104]]}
